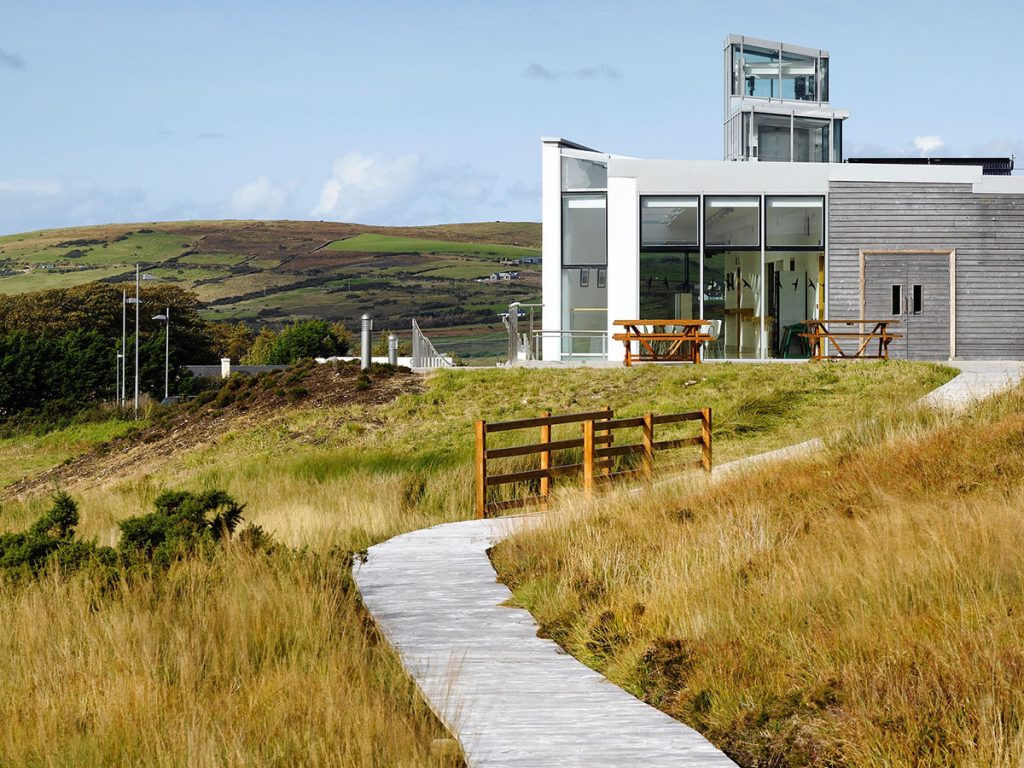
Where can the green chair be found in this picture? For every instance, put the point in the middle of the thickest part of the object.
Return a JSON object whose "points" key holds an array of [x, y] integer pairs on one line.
{"points": [[792, 333]]}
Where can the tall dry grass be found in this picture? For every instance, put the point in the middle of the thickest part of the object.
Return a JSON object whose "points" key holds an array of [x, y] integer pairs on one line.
{"points": [[247, 659], [860, 609], [269, 661]]}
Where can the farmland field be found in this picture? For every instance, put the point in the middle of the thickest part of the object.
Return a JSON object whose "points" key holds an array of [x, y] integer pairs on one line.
{"points": [[280, 271]]}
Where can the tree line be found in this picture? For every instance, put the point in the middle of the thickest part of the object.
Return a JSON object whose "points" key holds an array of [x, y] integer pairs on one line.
{"points": [[58, 347]]}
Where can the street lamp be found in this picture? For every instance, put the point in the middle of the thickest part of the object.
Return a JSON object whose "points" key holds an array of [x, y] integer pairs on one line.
{"points": [[166, 317], [139, 276]]}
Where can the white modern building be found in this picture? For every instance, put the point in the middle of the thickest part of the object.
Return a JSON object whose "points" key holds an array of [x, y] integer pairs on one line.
{"points": [[781, 231]]}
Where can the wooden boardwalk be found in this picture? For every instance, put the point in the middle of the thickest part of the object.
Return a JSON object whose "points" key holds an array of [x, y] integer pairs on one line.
{"points": [[510, 697]]}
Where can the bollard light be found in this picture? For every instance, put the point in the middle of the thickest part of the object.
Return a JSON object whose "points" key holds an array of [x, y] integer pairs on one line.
{"points": [[367, 342], [393, 349]]}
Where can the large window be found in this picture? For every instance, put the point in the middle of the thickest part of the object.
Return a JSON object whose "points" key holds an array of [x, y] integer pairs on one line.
{"points": [[669, 285], [584, 310], [794, 221], [732, 221], [774, 73], [773, 138], [584, 230]]}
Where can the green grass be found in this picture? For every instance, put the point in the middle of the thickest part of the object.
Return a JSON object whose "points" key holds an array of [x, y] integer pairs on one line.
{"points": [[370, 243], [39, 280], [25, 455]]}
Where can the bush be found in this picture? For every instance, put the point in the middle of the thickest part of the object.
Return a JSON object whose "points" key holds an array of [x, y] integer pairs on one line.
{"points": [[182, 524]]}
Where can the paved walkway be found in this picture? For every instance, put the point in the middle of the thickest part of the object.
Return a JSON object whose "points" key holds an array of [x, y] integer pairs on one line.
{"points": [[977, 380], [512, 698]]}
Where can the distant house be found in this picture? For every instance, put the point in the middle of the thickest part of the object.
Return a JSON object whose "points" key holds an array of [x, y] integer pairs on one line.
{"points": [[510, 262], [531, 260], [504, 276]]}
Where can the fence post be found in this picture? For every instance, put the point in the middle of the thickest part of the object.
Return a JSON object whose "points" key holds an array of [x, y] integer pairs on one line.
{"points": [[481, 469], [607, 460], [545, 463], [648, 446], [705, 437], [588, 458]]}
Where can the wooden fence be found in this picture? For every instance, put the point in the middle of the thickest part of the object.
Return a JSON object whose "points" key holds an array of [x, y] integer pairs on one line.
{"points": [[599, 453]]}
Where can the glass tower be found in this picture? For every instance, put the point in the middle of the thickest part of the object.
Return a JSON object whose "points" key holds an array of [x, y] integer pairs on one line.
{"points": [[776, 104]]}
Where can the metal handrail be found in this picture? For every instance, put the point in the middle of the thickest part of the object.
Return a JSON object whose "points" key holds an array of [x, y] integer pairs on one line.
{"points": [[424, 354]]}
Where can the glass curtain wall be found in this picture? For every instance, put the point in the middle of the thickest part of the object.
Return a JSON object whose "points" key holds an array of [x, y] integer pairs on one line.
{"points": [[584, 257], [732, 273], [794, 269], [669, 258]]}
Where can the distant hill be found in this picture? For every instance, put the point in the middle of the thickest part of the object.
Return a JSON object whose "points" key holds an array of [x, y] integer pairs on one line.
{"points": [[276, 271]]}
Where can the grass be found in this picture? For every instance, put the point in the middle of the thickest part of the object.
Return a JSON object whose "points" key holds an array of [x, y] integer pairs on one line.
{"points": [[25, 455], [269, 659], [373, 243], [858, 608]]}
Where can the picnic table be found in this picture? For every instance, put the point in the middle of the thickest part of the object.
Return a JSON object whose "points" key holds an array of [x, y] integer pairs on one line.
{"points": [[822, 333], [662, 341]]}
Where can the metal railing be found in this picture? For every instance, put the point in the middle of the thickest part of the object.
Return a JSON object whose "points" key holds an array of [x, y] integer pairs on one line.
{"points": [[424, 355]]}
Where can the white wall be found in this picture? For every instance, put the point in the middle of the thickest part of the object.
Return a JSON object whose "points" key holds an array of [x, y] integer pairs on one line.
{"points": [[551, 247], [623, 258]]}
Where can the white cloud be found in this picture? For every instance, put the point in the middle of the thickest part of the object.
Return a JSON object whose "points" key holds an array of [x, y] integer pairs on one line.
{"points": [[928, 144], [403, 190], [361, 184], [262, 199]]}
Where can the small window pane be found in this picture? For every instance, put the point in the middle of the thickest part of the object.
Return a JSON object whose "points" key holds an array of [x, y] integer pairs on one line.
{"points": [[918, 299], [793, 221], [773, 143], [669, 286], [583, 174], [759, 72], [810, 140], [731, 221], [669, 221], [897, 299], [799, 77], [824, 80], [584, 230], [837, 141]]}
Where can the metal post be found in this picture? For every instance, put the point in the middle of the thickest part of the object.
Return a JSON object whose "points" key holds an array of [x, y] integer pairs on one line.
{"points": [[393, 349], [117, 377], [136, 341], [513, 333], [367, 342], [124, 349], [167, 355]]}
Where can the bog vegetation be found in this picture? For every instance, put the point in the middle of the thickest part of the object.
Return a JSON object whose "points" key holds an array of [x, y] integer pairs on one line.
{"points": [[239, 654], [857, 608]]}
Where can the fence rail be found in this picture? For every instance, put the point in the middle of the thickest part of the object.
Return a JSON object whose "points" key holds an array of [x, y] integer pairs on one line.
{"points": [[599, 453]]}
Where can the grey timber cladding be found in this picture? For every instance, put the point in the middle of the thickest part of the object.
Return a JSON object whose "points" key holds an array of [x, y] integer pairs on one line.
{"points": [[986, 230]]}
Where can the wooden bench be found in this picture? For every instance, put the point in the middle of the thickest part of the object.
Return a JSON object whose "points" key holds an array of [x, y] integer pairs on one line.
{"points": [[662, 346], [819, 335]]}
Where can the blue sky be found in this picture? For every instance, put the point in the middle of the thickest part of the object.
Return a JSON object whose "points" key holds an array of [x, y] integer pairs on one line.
{"points": [[393, 112]]}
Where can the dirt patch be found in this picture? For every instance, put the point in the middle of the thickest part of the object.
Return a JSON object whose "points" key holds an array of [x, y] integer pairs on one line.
{"points": [[238, 403]]}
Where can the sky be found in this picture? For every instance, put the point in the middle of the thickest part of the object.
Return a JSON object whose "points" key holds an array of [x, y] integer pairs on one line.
{"points": [[388, 112]]}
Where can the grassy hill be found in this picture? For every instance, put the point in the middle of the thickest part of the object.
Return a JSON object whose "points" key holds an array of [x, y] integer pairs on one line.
{"points": [[277, 271]]}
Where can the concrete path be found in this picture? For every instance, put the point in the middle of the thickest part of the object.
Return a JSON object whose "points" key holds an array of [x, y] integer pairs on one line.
{"points": [[977, 380], [510, 697]]}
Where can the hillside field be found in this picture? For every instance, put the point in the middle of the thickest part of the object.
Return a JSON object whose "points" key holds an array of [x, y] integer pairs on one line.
{"points": [[278, 271]]}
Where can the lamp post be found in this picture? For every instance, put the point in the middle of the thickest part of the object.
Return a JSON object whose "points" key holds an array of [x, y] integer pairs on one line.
{"points": [[139, 277], [124, 348], [166, 317]]}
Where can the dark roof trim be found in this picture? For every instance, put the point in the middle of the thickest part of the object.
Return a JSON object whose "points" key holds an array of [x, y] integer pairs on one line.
{"points": [[990, 166]]}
